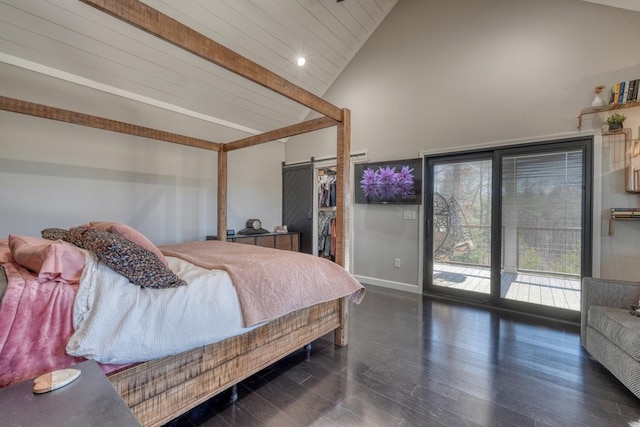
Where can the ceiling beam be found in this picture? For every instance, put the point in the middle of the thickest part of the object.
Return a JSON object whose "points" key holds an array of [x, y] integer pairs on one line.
{"points": [[155, 22], [73, 117], [285, 132]]}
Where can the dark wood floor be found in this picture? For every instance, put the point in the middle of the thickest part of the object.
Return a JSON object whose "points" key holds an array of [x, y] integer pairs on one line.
{"points": [[412, 361]]}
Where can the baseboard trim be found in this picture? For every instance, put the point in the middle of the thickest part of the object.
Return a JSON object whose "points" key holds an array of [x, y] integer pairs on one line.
{"points": [[415, 289]]}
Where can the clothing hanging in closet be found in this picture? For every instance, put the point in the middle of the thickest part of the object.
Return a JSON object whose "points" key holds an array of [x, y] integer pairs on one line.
{"points": [[327, 190], [327, 235]]}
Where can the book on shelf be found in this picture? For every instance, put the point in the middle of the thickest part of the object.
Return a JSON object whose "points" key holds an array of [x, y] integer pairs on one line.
{"points": [[616, 93], [625, 97], [625, 91], [612, 95], [632, 88]]}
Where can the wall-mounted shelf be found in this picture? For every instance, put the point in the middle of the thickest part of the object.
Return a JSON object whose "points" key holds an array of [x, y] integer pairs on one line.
{"points": [[631, 157], [604, 108], [632, 165], [622, 214]]}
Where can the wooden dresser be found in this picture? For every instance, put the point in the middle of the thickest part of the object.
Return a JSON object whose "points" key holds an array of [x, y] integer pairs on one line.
{"points": [[286, 241]]}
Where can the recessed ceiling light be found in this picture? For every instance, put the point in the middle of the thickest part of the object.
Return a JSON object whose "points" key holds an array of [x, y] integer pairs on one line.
{"points": [[301, 61]]}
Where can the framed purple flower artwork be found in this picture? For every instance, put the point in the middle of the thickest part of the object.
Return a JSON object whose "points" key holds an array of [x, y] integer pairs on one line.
{"points": [[398, 181]]}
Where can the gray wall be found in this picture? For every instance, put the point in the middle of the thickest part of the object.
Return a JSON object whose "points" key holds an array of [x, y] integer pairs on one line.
{"points": [[445, 76]]}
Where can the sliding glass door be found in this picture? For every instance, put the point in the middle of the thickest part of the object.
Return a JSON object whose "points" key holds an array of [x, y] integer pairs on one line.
{"points": [[542, 213], [511, 226], [461, 225]]}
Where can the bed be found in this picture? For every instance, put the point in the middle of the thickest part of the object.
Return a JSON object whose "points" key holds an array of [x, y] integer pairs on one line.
{"points": [[170, 326], [159, 390]]}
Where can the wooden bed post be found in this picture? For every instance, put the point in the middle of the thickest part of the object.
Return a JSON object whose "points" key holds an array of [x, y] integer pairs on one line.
{"points": [[222, 195], [343, 174], [341, 334]]}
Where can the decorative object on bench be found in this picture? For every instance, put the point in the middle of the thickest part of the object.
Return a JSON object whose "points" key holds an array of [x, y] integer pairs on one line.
{"points": [[54, 380]]}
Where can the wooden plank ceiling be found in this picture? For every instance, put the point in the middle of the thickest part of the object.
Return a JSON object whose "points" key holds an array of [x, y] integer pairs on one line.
{"points": [[90, 46]]}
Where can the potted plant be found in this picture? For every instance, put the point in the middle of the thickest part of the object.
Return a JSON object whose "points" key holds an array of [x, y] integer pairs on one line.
{"points": [[615, 121]]}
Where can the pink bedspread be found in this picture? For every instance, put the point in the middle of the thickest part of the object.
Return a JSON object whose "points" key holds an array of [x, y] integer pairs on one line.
{"points": [[271, 283], [35, 325]]}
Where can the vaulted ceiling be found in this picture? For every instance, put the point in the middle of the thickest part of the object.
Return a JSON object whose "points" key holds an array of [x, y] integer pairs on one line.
{"points": [[73, 41], [70, 40]]}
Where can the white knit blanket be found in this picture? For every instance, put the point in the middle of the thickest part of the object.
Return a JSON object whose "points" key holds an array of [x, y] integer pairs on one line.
{"points": [[118, 322]]}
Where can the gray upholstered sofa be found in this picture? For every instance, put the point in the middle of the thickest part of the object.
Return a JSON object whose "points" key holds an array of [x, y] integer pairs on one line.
{"points": [[609, 332]]}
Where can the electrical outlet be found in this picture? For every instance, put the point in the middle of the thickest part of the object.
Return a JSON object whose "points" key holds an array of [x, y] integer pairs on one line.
{"points": [[397, 262], [409, 214]]}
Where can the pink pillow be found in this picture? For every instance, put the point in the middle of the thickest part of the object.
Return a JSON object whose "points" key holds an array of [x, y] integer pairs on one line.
{"points": [[5, 252], [56, 261], [130, 234]]}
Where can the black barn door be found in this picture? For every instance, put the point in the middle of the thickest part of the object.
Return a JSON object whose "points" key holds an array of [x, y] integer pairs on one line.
{"points": [[297, 202]]}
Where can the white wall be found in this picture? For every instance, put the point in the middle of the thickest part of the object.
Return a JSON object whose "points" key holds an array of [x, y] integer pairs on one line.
{"points": [[255, 185], [442, 76], [54, 174]]}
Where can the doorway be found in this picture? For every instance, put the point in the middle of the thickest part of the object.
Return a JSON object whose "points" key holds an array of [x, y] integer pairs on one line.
{"points": [[511, 227]]}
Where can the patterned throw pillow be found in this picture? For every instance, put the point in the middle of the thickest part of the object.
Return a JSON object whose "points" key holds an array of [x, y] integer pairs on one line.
{"points": [[55, 234], [129, 233], [75, 236], [123, 256]]}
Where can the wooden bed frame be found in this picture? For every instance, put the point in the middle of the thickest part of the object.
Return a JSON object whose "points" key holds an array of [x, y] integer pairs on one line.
{"points": [[160, 390]]}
